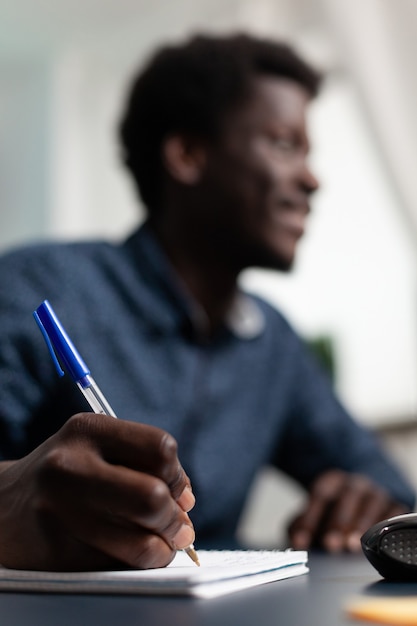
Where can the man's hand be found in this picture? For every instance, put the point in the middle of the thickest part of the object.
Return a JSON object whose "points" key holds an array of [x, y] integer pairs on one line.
{"points": [[341, 507], [101, 493]]}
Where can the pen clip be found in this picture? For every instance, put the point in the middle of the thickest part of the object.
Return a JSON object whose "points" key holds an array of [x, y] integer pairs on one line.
{"points": [[49, 344], [59, 344]]}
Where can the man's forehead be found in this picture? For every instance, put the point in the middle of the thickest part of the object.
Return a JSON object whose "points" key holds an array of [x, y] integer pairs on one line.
{"points": [[275, 96], [269, 87]]}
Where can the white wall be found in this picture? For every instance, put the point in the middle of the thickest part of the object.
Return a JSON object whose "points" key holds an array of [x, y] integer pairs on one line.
{"points": [[24, 142]]}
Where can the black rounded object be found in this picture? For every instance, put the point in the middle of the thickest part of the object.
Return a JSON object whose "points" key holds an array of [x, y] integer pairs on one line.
{"points": [[391, 547]]}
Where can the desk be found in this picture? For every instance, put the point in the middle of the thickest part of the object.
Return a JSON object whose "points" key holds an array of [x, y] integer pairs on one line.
{"points": [[315, 599]]}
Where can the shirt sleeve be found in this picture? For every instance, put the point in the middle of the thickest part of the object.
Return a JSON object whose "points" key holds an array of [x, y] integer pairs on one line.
{"points": [[320, 435], [27, 376]]}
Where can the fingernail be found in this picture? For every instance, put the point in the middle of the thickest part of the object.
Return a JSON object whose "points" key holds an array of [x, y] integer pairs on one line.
{"points": [[301, 540], [184, 537], [186, 500], [333, 541]]}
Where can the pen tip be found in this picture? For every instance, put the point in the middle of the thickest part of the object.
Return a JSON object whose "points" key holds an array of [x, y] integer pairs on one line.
{"points": [[192, 554]]}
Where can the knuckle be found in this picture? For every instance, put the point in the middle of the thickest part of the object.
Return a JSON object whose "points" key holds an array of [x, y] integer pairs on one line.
{"points": [[177, 482], [366, 487], [53, 467], [65, 467], [51, 481], [168, 449], [328, 483], [54, 481], [81, 425], [156, 499], [171, 470]]}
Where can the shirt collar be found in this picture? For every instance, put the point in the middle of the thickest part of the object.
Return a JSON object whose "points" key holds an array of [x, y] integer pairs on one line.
{"points": [[244, 319]]}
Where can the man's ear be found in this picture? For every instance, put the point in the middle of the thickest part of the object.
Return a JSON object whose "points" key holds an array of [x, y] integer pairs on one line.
{"points": [[184, 158]]}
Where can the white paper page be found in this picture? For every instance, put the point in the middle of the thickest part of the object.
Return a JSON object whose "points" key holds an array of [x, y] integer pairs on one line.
{"points": [[220, 572]]}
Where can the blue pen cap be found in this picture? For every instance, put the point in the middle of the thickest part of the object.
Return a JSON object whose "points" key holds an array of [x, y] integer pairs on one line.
{"points": [[58, 340]]}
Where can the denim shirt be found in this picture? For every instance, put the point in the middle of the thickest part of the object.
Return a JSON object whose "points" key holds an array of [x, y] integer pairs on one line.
{"points": [[250, 396]]}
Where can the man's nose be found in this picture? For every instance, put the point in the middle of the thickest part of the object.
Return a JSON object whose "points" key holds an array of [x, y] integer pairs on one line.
{"points": [[309, 180]]}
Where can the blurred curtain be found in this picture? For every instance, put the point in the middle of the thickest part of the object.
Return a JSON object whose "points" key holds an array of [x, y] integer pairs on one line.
{"points": [[378, 44]]}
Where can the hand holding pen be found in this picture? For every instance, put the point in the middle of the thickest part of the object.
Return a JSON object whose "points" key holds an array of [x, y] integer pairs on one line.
{"points": [[101, 493], [57, 340]]}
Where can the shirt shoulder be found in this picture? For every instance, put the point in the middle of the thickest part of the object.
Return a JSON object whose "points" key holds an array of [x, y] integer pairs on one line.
{"points": [[44, 270], [45, 253]]}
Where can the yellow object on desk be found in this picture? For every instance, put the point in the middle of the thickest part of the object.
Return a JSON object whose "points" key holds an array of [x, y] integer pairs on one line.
{"points": [[398, 611]]}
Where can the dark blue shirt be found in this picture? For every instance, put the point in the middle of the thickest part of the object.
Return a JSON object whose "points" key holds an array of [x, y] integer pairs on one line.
{"points": [[251, 395]]}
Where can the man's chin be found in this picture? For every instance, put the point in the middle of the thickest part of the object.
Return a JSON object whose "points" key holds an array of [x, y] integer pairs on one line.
{"points": [[276, 262], [278, 266], [268, 258]]}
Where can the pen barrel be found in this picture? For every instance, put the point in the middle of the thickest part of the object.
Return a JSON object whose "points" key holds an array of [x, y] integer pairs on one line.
{"points": [[94, 397]]}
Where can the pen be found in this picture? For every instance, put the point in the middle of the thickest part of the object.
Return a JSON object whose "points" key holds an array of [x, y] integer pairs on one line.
{"points": [[60, 344]]}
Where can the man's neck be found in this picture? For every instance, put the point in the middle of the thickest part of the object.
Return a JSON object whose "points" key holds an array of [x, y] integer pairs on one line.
{"points": [[212, 284]]}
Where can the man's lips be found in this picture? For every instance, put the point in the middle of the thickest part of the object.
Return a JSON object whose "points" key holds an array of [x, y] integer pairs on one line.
{"points": [[291, 218]]}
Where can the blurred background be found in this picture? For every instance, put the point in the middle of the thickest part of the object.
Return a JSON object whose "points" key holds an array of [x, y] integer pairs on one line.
{"points": [[64, 70]]}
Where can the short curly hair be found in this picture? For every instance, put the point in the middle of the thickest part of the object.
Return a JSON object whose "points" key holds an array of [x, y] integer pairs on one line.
{"points": [[190, 88]]}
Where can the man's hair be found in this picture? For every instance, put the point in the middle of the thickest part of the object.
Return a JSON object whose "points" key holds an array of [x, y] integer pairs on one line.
{"points": [[189, 88]]}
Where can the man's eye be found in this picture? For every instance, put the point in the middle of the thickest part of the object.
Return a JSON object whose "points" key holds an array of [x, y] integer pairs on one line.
{"points": [[286, 145]]}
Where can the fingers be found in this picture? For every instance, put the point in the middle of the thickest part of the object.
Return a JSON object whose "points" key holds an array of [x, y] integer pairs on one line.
{"points": [[132, 547], [305, 527], [137, 446], [359, 504], [187, 499], [99, 493], [135, 497], [340, 509], [82, 487], [135, 548], [107, 546]]}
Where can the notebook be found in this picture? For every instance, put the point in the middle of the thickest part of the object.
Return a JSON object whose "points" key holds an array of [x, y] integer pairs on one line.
{"points": [[221, 572]]}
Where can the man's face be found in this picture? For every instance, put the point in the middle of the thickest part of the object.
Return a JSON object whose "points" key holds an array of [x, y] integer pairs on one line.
{"points": [[256, 184]]}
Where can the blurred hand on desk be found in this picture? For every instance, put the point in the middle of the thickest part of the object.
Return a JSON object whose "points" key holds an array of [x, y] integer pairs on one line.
{"points": [[341, 507]]}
